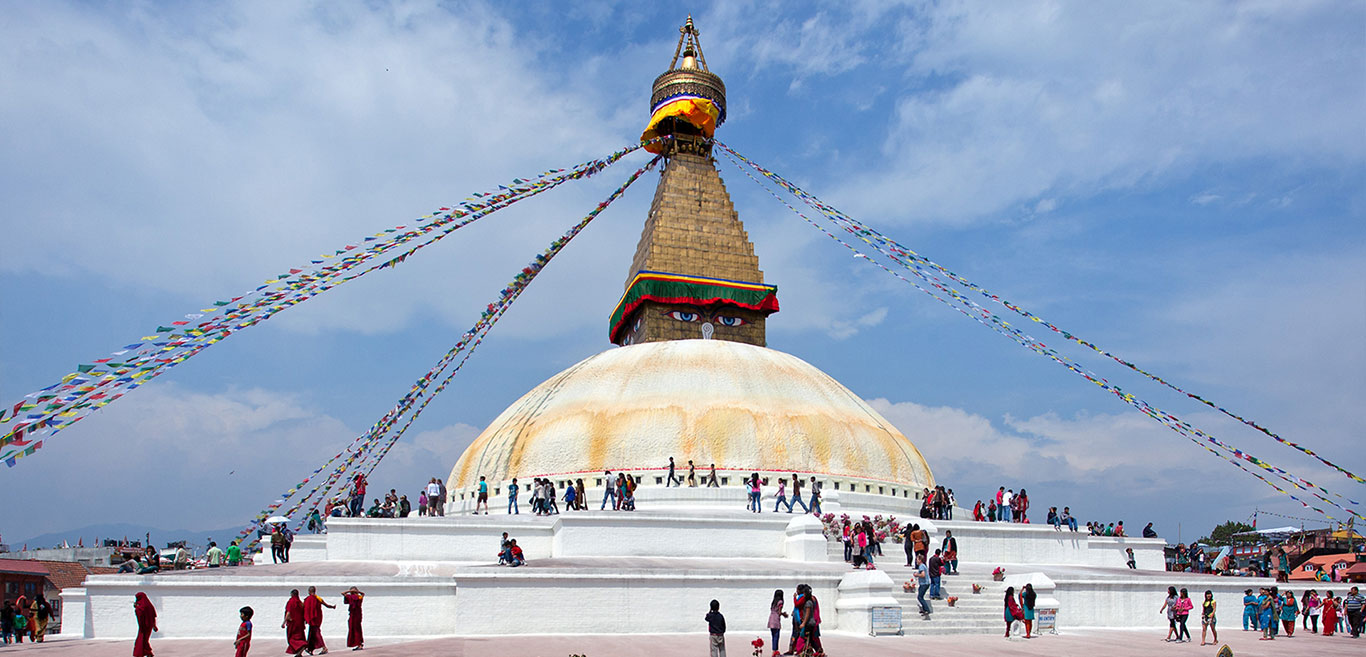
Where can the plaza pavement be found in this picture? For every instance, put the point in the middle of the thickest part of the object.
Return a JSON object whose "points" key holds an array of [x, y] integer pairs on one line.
{"points": [[1078, 643]]}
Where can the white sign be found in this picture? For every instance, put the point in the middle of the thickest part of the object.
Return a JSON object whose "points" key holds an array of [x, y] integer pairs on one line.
{"points": [[885, 620], [1046, 619]]}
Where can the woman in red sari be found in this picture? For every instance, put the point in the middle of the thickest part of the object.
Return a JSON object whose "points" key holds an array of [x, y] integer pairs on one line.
{"points": [[354, 638], [1330, 614], [294, 625], [147, 624]]}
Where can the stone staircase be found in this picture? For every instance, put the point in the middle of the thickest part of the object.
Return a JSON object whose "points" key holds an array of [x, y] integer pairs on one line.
{"points": [[971, 614]]}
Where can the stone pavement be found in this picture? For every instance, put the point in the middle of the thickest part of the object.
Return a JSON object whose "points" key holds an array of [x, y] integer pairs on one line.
{"points": [[1079, 643]]}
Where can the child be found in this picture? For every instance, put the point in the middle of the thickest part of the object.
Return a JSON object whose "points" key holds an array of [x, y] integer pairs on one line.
{"points": [[716, 629], [243, 642], [1129, 558]]}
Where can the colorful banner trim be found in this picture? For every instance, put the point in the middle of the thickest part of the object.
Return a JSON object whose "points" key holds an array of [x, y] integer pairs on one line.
{"points": [[692, 290]]}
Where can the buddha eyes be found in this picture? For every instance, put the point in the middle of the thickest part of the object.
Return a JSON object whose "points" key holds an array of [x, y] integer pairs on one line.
{"points": [[727, 320], [684, 316], [689, 316]]}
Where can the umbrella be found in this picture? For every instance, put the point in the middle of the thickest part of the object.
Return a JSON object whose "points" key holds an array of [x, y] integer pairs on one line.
{"points": [[275, 520]]}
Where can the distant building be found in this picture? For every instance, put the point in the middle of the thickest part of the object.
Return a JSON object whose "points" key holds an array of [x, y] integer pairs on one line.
{"points": [[33, 578]]}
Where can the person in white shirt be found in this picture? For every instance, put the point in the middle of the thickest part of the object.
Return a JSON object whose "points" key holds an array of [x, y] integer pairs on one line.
{"points": [[1004, 509]]}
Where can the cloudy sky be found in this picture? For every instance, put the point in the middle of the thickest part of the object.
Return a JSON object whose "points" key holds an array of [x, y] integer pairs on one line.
{"points": [[1180, 183]]}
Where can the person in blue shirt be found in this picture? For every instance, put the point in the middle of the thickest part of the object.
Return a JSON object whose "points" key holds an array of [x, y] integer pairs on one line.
{"points": [[512, 498], [1250, 611], [483, 496]]}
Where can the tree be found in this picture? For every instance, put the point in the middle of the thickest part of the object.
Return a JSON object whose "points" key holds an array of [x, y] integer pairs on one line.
{"points": [[1223, 534]]}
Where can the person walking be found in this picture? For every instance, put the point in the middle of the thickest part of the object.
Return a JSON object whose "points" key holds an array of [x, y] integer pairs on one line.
{"points": [[1290, 612], [147, 624], [935, 565], [1330, 614], [670, 480], [797, 495], [42, 613], [815, 496], [716, 629], [1266, 615], [242, 643], [483, 496], [6, 622], [1183, 612], [422, 503], [1207, 618], [811, 621], [692, 475], [1169, 606], [1315, 607], [782, 497], [775, 619], [1354, 604], [215, 556], [711, 478], [922, 582], [754, 493], [295, 640], [908, 544], [313, 618], [352, 598], [1012, 609]]}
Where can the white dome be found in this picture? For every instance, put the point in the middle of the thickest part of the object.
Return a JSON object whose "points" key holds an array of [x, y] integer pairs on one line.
{"points": [[739, 406]]}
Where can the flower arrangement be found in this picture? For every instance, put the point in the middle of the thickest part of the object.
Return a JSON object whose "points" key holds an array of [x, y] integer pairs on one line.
{"points": [[758, 644], [908, 586], [999, 574], [976, 589], [953, 600]]}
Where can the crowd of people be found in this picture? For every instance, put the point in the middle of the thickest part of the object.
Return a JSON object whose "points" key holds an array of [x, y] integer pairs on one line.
{"points": [[302, 623], [25, 617], [754, 486], [1273, 611], [937, 503]]}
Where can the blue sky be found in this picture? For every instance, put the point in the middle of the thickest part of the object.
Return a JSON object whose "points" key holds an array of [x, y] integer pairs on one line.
{"points": [[1179, 183]]}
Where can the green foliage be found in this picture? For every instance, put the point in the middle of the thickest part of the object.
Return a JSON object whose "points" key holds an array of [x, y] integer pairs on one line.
{"points": [[1223, 534]]}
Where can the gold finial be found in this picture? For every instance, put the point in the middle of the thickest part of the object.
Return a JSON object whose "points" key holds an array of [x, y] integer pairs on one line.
{"points": [[690, 47]]}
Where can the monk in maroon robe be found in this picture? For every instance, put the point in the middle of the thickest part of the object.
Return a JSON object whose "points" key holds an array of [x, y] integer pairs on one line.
{"points": [[147, 624], [354, 638], [294, 625], [313, 617]]}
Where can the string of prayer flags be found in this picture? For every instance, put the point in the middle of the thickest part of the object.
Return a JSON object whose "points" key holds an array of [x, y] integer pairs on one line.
{"points": [[362, 450], [984, 316]]}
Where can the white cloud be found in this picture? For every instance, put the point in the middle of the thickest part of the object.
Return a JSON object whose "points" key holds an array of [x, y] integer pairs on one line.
{"points": [[1033, 100]]}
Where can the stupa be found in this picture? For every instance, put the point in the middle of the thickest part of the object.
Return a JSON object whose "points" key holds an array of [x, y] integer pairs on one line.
{"points": [[692, 377]]}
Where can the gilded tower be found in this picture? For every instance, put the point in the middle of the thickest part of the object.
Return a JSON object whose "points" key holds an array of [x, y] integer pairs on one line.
{"points": [[694, 274]]}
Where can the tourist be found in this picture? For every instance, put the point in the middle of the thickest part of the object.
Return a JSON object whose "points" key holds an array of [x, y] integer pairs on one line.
{"points": [[515, 557], [433, 496], [1067, 518], [313, 617], [1149, 532], [483, 496], [1003, 504], [1021, 503], [235, 552], [1169, 606], [215, 556], [775, 616], [1353, 604], [992, 511], [1207, 618], [535, 500], [922, 588], [754, 493], [908, 543], [716, 628], [670, 480], [441, 497], [404, 508], [355, 638], [6, 622], [860, 542], [571, 496], [811, 620], [357, 494], [152, 562], [692, 475], [977, 511], [1183, 612], [422, 503], [1054, 519], [1119, 531], [289, 539], [1330, 614], [147, 624], [42, 613], [1027, 600], [243, 641], [295, 641], [1012, 609], [1129, 559], [920, 542], [608, 491], [1290, 612], [19, 620], [782, 496], [629, 485], [1266, 615], [797, 495], [952, 502], [936, 570], [1342, 616], [711, 478], [815, 497], [1314, 606], [794, 644], [581, 495], [621, 491], [950, 548]]}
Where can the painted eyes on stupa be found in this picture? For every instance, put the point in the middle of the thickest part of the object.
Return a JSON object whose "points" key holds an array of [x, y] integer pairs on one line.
{"points": [[729, 320], [684, 316], [723, 320]]}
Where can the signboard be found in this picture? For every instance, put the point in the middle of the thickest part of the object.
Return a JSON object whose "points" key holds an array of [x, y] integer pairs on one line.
{"points": [[885, 620], [1046, 619]]}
